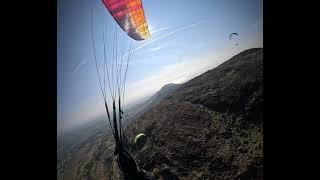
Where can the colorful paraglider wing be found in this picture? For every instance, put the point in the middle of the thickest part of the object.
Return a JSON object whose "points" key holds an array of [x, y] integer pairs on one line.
{"points": [[129, 14]]}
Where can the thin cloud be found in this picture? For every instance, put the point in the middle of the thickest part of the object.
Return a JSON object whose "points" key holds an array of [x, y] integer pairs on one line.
{"points": [[168, 34], [160, 29], [81, 65], [156, 48]]}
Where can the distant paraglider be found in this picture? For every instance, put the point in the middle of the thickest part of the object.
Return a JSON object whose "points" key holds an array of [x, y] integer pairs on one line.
{"points": [[231, 37], [139, 137]]}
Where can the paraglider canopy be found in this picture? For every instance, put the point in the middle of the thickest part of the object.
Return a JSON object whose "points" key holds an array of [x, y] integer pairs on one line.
{"points": [[232, 34], [129, 14], [139, 137]]}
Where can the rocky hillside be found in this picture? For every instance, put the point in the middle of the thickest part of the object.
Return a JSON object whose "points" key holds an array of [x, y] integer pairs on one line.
{"points": [[210, 127]]}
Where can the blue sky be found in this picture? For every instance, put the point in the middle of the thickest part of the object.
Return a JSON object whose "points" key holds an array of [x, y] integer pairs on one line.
{"points": [[188, 37]]}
